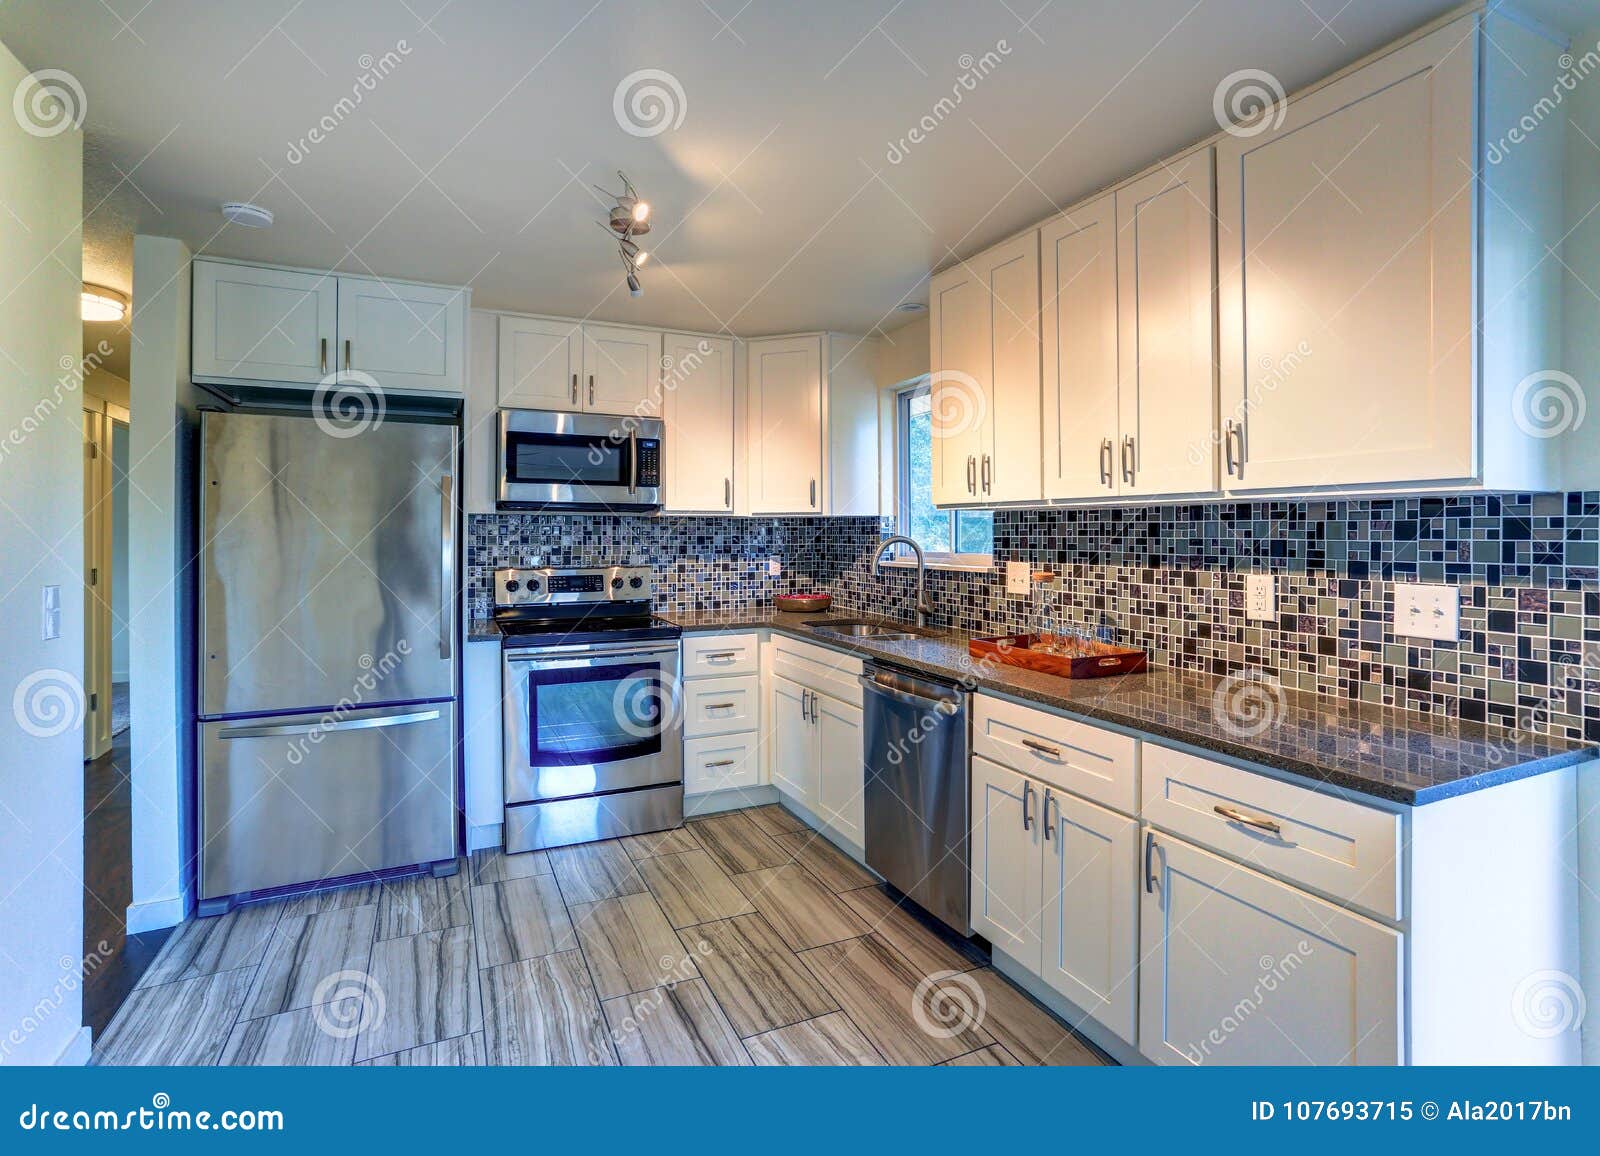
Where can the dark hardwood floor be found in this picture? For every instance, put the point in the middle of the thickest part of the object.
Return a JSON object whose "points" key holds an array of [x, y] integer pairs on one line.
{"points": [[113, 959]]}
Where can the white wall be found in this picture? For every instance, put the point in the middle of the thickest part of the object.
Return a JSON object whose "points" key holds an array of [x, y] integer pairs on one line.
{"points": [[160, 621], [119, 552], [41, 511], [903, 353]]}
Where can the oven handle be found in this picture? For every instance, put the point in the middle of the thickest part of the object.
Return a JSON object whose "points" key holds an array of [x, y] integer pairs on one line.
{"points": [[622, 652]]}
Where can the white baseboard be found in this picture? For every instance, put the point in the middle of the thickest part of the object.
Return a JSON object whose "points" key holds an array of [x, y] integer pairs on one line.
{"points": [[712, 802], [1102, 1037], [484, 837], [154, 914], [78, 1051]]}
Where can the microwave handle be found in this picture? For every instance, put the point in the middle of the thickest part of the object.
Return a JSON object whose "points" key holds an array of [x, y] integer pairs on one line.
{"points": [[633, 462]]}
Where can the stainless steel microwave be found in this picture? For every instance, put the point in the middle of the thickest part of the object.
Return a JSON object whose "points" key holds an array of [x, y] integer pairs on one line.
{"points": [[577, 461]]}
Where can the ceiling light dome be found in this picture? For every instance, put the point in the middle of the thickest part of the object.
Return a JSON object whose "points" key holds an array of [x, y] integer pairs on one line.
{"points": [[102, 304]]}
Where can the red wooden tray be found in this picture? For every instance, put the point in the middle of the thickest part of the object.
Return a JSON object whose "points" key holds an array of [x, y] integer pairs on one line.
{"points": [[1086, 658]]}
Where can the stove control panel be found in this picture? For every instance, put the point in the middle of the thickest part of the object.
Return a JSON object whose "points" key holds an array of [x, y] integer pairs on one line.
{"points": [[514, 587]]}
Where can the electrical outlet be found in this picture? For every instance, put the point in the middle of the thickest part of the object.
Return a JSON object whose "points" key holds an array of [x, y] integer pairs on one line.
{"points": [[774, 566], [50, 609], [1018, 577], [1426, 611], [1260, 597]]}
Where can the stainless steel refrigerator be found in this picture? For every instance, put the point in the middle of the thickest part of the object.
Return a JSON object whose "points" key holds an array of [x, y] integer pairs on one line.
{"points": [[327, 665]]}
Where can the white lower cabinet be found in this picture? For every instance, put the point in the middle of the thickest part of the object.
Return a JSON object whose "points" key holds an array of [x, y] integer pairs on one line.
{"points": [[817, 756], [721, 702], [1007, 877], [1240, 968], [720, 763], [794, 763]]}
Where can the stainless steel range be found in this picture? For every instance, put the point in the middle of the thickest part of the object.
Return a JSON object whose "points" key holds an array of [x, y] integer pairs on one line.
{"points": [[593, 729]]}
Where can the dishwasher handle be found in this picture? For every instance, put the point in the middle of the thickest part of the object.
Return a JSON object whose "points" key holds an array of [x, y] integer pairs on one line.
{"points": [[949, 703]]}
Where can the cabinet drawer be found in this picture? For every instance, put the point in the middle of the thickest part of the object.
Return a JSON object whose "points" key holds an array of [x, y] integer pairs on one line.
{"points": [[719, 762], [1343, 849], [1093, 763], [720, 706], [818, 667], [713, 654]]}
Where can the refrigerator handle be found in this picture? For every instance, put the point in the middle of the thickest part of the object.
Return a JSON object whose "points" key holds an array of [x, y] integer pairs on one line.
{"points": [[323, 725], [447, 565]]}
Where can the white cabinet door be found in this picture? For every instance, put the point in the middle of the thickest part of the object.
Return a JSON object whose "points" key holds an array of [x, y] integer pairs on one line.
{"points": [[794, 742], [1348, 273], [1078, 268], [405, 337], [621, 370], [254, 324], [786, 425], [1006, 876], [697, 392], [841, 773], [958, 386], [1009, 468], [720, 763], [1166, 329], [540, 363], [1091, 909], [1238, 968]]}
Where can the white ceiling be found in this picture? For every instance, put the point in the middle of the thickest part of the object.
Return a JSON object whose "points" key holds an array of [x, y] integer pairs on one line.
{"points": [[778, 207]]}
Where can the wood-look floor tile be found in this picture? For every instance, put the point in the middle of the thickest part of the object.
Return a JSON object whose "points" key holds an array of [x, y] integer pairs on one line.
{"points": [[519, 919], [760, 983], [774, 819], [737, 844], [422, 903], [459, 1052], [305, 955], [422, 989], [544, 1011], [332, 899], [629, 945], [493, 865], [671, 842], [1031, 1034], [220, 943], [993, 1056], [679, 1026], [827, 1041], [180, 1023], [928, 949], [590, 872], [801, 909], [885, 996], [693, 889], [318, 1036], [836, 870]]}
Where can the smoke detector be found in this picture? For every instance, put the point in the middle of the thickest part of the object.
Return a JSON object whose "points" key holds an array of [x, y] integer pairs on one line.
{"points": [[246, 214]]}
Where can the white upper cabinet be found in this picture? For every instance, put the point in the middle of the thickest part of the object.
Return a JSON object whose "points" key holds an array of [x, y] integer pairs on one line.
{"points": [[255, 324], [281, 326], [621, 370], [697, 404], [985, 377], [786, 425], [405, 337], [1166, 253], [1347, 276], [541, 363], [1078, 270]]}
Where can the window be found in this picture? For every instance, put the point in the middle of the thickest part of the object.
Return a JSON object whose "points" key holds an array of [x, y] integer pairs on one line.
{"points": [[954, 537]]}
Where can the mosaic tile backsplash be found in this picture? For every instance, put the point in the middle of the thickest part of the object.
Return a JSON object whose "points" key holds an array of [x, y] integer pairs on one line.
{"points": [[1171, 579]]}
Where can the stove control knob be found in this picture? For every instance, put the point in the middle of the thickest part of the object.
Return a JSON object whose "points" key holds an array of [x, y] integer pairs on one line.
{"points": [[513, 586], [636, 582], [533, 585], [616, 584]]}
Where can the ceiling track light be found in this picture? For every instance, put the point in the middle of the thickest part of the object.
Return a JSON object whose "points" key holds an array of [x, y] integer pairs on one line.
{"points": [[629, 218]]}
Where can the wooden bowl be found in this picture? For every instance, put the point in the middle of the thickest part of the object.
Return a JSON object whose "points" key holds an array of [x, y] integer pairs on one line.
{"points": [[802, 603]]}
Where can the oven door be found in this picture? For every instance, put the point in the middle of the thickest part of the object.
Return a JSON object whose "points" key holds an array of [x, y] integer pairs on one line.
{"points": [[584, 720], [577, 461]]}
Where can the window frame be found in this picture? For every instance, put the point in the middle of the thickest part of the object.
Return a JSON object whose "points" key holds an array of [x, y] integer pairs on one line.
{"points": [[939, 559]]}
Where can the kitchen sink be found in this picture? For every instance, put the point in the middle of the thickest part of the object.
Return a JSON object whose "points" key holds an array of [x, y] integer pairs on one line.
{"points": [[883, 631]]}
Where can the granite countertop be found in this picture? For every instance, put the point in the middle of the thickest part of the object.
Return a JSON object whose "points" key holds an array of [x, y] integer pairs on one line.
{"points": [[484, 630], [1378, 751]]}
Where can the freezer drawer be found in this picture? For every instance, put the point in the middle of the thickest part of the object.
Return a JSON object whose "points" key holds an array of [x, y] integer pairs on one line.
{"points": [[292, 799], [588, 818]]}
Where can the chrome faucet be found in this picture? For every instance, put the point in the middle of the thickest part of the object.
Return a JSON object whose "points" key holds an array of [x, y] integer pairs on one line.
{"points": [[924, 604]]}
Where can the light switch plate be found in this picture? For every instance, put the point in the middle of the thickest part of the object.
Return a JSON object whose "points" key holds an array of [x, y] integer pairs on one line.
{"points": [[50, 611], [774, 566], [1260, 597], [1018, 575], [1427, 611]]}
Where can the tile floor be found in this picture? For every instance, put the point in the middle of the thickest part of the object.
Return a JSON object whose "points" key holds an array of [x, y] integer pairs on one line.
{"points": [[741, 938]]}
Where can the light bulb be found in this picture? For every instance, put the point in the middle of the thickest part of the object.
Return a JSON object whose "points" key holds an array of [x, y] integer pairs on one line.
{"points": [[641, 211]]}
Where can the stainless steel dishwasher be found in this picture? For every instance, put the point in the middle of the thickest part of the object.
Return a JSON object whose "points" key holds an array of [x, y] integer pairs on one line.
{"points": [[916, 796]]}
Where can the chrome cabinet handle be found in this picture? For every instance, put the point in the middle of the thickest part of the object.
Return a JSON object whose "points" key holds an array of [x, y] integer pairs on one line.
{"points": [[711, 655], [322, 356], [805, 705], [972, 474], [1027, 818], [727, 492], [1149, 854], [1227, 445], [721, 705], [574, 389], [322, 726], [813, 493], [591, 389], [1042, 748], [1048, 827], [1106, 452], [447, 564], [1237, 816], [721, 763], [1238, 433], [1128, 462], [347, 353]]}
